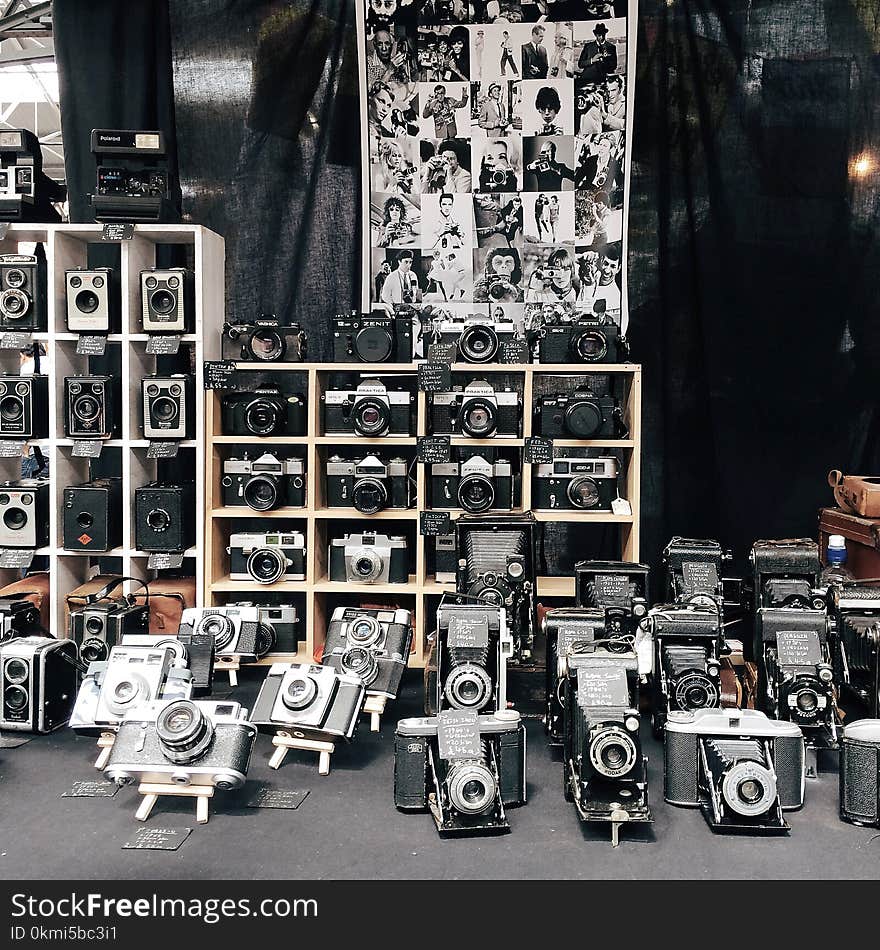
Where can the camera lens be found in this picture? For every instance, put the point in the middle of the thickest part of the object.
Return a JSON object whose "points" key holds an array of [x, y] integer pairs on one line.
{"points": [[15, 518], [750, 791], [366, 566], [267, 345], [15, 698], [93, 651], [86, 408], [369, 495], [94, 625], [86, 301], [478, 418], [478, 344], [16, 670], [261, 417], [807, 701], [583, 492], [75, 282], [220, 627], [261, 492], [14, 304], [151, 282], [163, 302], [582, 418], [748, 788], [15, 277], [158, 519], [264, 640], [476, 493], [372, 344], [364, 631], [360, 662], [613, 752], [300, 693], [98, 281], [164, 409], [590, 345], [695, 691], [371, 416], [11, 410], [468, 686], [266, 566], [126, 692], [471, 788], [184, 731]]}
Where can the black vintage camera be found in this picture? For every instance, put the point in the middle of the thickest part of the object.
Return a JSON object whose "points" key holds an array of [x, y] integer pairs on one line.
{"points": [[168, 404], [477, 338], [620, 588], [582, 340], [97, 628], [372, 338], [167, 300], [264, 483], [183, 742], [860, 773], [694, 571], [370, 410], [263, 412], [23, 291], [37, 683], [237, 631], [90, 308], [24, 407], [267, 557], [26, 192], [855, 635], [473, 484], [164, 517], [740, 767], [133, 181], [24, 513], [19, 617], [477, 410], [265, 341], [464, 767], [92, 519], [369, 558], [91, 407], [579, 415], [576, 484], [371, 643], [368, 484]]}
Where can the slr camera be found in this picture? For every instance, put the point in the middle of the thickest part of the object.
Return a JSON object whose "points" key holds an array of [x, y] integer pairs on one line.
{"points": [[163, 515], [740, 767], [26, 192], [264, 483], [24, 407], [580, 415], [474, 484], [263, 412], [376, 337], [369, 558], [314, 702], [24, 513], [88, 305], [23, 292], [19, 617], [465, 768], [581, 340], [133, 181], [368, 484], [183, 742], [167, 300], [168, 406], [237, 631], [267, 557], [97, 628], [860, 773], [855, 633], [370, 410], [476, 338], [371, 643], [38, 683], [576, 484], [499, 286], [91, 407], [476, 411], [264, 341]]}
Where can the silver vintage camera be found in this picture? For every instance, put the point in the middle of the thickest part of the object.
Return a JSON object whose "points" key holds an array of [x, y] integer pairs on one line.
{"points": [[267, 557], [264, 483], [477, 338], [37, 683], [238, 632], [368, 484], [370, 410], [166, 300], [473, 484], [478, 411], [89, 308], [24, 513], [369, 558], [168, 406], [576, 484]]}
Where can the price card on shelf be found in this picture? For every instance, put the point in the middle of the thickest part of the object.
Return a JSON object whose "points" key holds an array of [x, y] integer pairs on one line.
{"points": [[435, 377], [117, 231], [515, 351], [163, 450], [268, 797], [165, 344], [157, 839], [91, 344], [165, 561], [538, 450], [434, 523], [220, 374], [603, 686], [433, 448], [458, 734], [11, 450], [16, 340], [16, 557], [91, 790], [87, 448], [442, 352]]}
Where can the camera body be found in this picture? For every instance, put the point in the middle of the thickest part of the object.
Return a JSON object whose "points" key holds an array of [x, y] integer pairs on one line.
{"points": [[369, 558], [477, 411], [576, 484], [376, 337], [368, 484], [473, 484], [238, 632], [97, 628], [477, 339], [854, 611], [264, 483], [370, 410], [168, 406], [578, 415], [164, 520], [621, 589], [24, 407], [89, 307], [264, 341], [19, 617], [860, 773], [38, 678], [23, 292], [91, 407], [314, 702], [263, 412], [183, 742], [267, 557], [167, 300], [740, 767], [694, 569], [24, 513], [133, 179], [466, 784], [581, 340], [371, 643], [26, 192]]}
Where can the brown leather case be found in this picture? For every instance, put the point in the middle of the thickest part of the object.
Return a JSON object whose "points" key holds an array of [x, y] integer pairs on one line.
{"points": [[35, 588], [169, 597], [862, 540], [858, 494]]}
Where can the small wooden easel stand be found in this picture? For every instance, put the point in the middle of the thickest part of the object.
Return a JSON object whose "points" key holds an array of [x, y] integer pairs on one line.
{"points": [[375, 706], [618, 817], [231, 667], [284, 742], [152, 792], [105, 744]]}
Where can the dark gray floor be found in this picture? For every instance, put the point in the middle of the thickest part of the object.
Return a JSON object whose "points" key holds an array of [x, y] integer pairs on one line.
{"points": [[348, 826]]}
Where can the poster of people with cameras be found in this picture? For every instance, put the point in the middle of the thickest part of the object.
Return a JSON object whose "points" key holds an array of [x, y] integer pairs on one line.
{"points": [[496, 136]]}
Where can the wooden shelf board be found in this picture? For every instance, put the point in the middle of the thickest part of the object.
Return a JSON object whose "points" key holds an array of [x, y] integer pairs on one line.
{"points": [[326, 586], [599, 517], [225, 584], [388, 514], [242, 511], [354, 440], [268, 440]]}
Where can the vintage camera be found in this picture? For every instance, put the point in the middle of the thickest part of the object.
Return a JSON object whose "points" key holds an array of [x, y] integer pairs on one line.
{"points": [[576, 484], [23, 291], [740, 767], [97, 628], [464, 767], [477, 339], [860, 773], [38, 678], [167, 300], [581, 340], [267, 557], [192, 652], [539, 165], [694, 571], [238, 631], [473, 484], [445, 558], [477, 411], [19, 617], [371, 643], [263, 412], [372, 338], [133, 179], [605, 770], [164, 519], [26, 192], [183, 742], [168, 406], [264, 341], [855, 634], [370, 410], [24, 407], [24, 513], [92, 518], [620, 588], [264, 483], [91, 407], [369, 558], [311, 701], [368, 484], [88, 305], [579, 415]]}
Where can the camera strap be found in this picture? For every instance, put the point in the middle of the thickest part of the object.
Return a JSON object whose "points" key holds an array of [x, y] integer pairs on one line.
{"points": [[107, 589]]}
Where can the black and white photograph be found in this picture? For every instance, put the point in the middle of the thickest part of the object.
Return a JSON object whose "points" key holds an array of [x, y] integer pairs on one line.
{"points": [[498, 219], [595, 222], [444, 110], [398, 275], [547, 107], [599, 276], [395, 166], [498, 275], [549, 217], [395, 220], [446, 166], [443, 54], [496, 108], [550, 274], [499, 161], [447, 221], [448, 274], [548, 163], [600, 49]]}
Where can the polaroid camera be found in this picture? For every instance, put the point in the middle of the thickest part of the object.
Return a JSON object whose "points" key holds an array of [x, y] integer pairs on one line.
{"points": [[133, 181]]}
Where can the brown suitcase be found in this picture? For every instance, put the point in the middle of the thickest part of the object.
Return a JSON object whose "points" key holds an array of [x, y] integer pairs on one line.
{"points": [[862, 540], [858, 494], [169, 597], [35, 588]]}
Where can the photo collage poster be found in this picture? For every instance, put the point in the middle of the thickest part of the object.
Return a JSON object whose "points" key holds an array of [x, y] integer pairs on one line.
{"points": [[496, 133]]}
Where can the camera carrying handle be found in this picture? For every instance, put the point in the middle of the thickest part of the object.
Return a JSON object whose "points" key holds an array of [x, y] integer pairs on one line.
{"points": [[107, 589]]}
